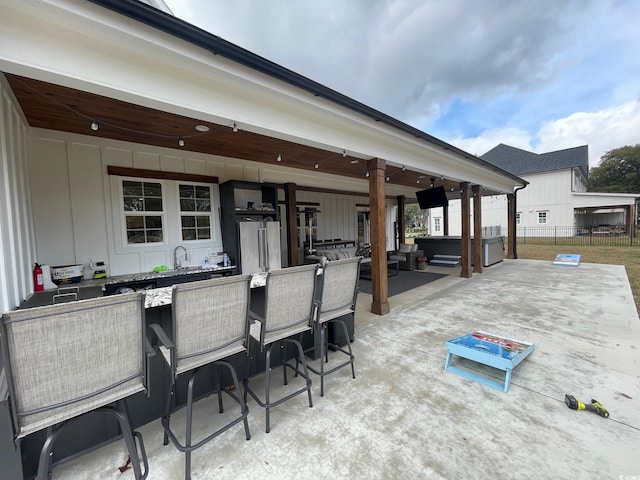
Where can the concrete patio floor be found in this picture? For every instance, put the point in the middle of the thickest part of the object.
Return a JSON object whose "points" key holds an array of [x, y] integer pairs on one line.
{"points": [[405, 417]]}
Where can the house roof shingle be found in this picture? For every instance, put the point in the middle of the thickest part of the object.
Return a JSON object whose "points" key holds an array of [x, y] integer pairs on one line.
{"points": [[521, 162]]}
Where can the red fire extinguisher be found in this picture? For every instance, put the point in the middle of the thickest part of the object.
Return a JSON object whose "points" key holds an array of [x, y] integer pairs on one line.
{"points": [[38, 281]]}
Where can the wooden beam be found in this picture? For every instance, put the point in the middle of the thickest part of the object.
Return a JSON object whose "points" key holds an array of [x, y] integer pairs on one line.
{"points": [[379, 285], [511, 226], [331, 191], [477, 229], [465, 194], [291, 210], [159, 175]]}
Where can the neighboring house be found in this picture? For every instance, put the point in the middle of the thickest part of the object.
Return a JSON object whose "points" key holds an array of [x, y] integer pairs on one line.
{"points": [[555, 197]]}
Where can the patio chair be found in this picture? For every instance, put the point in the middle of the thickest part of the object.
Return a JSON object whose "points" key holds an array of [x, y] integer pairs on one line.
{"points": [[70, 359], [288, 311], [406, 255], [339, 294], [210, 323]]}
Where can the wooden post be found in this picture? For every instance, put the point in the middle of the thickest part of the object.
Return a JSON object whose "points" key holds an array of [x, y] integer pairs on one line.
{"points": [[401, 224], [445, 220], [379, 286], [291, 210], [465, 270], [511, 226], [477, 229]]}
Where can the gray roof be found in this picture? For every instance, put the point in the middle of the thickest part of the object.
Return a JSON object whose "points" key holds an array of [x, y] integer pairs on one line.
{"points": [[520, 162]]}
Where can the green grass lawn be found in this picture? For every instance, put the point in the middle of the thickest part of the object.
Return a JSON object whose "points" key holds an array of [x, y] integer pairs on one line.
{"points": [[627, 256]]}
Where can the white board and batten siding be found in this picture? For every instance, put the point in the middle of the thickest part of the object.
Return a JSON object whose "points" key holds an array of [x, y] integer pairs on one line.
{"points": [[76, 205], [16, 224]]}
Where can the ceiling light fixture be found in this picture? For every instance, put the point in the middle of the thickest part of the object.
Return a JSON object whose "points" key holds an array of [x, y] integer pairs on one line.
{"points": [[355, 160], [181, 142], [94, 125], [344, 153], [366, 174], [404, 169], [279, 159], [235, 127], [316, 165], [202, 128]]}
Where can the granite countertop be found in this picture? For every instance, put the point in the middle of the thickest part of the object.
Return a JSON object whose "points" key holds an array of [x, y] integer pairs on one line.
{"points": [[142, 276], [156, 297]]}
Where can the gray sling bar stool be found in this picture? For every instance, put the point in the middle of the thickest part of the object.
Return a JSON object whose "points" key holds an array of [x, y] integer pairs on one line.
{"points": [[210, 323], [288, 311], [66, 360], [339, 294]]}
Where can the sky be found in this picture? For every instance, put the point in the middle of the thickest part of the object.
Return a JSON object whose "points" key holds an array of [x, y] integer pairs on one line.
{"points": [[539, 75]]}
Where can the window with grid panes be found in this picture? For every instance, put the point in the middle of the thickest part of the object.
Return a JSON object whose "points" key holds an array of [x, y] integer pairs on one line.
{"points": [[542, 217], [195, 212], [143, 211]]}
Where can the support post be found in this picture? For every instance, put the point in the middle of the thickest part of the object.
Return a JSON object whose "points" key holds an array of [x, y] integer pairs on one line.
{"points": [[477, 229], [291, 210], [511, 225], [379, 286], [401, 224], [465, 196]]}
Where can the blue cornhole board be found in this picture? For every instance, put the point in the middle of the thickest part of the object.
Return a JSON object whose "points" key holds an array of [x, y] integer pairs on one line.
{"points": [[488, 349], [567, 259]]}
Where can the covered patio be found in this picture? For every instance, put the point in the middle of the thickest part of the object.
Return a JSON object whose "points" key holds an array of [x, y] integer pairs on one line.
{"points": [[404, 416], [155, 97]]}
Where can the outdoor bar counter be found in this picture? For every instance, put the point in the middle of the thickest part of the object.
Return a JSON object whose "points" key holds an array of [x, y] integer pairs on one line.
{"points": [[93, 431]]}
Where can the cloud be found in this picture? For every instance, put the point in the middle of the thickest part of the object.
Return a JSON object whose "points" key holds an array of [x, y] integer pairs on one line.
{"points": [[602, 131], [540, 75]]}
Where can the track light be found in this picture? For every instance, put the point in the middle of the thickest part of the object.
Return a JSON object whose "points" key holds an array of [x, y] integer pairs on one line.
{"points": [[404, 169], [94, 125], [279, 159], [388, 178], [316, 165], [181, 142], [344, 153], [366, 174], [235, 127]]}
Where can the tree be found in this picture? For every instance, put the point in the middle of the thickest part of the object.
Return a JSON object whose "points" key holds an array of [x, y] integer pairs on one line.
{"points": [[618, 171], [413, 216]]}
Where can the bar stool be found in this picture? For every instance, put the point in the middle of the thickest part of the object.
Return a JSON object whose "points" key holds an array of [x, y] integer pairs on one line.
{"points": [[210, 324], [66, 360], [288, 311], [339, 294]]}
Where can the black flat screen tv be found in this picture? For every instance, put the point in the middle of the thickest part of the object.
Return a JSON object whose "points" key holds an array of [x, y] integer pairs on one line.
{"points": [[432, 198]]}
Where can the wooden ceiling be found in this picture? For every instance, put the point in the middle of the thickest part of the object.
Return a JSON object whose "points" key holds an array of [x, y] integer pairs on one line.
{"points": [[66, 109]]}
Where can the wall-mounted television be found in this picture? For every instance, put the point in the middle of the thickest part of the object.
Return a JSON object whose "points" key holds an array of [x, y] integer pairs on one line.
{"points": [[432, 198]]}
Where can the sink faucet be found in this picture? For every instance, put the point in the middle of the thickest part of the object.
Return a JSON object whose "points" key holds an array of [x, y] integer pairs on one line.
{"points": [[176, 263]]}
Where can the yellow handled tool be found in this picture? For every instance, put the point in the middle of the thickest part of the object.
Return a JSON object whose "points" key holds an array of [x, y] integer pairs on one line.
{"points": [[574, 404]]}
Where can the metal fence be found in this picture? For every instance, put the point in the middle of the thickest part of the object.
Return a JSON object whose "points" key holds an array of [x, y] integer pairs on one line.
{"points": [[618, 235]]}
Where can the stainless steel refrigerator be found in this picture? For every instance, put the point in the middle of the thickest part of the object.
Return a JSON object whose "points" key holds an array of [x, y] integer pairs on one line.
{"points": [[259, 246]]}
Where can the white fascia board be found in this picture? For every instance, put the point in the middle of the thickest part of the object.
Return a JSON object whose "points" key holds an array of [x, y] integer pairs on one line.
{"points": [[84, 46], [594, 199]]}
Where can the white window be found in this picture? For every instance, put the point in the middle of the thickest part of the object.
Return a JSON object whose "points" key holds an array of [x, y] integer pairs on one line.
{"points": [[518, 218], [195, 211], [542, 218], [143, 211], [436, 224]]}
